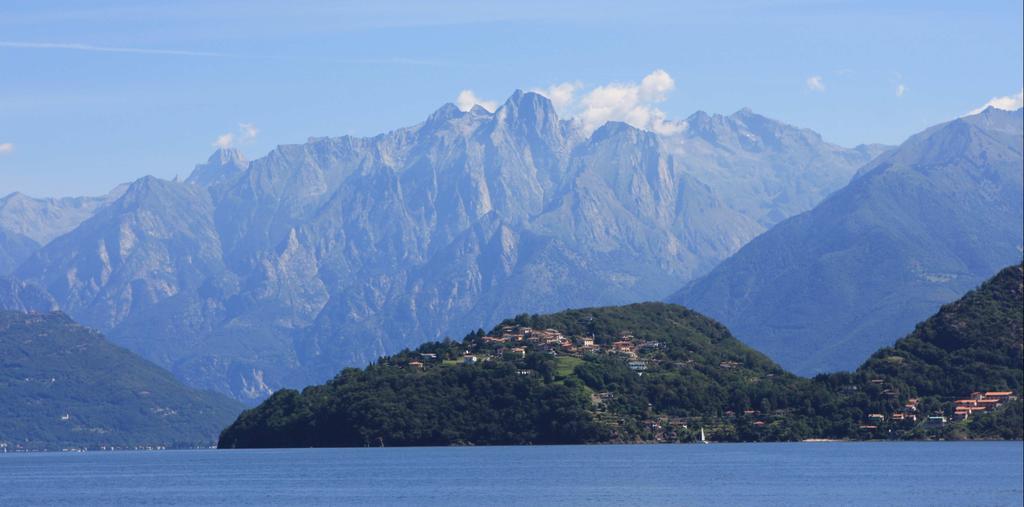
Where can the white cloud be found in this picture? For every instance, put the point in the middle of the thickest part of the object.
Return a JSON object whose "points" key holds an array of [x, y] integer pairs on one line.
{"points": [[632, 103], [900, 90], [246, 132], [6, 148], [1008, 103], [816, 84], [655, 86], [562, 95], [225, 141], [467, 99]]}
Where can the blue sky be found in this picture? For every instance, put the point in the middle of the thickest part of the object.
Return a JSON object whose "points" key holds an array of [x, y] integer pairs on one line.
{"points": [[102, 92]]}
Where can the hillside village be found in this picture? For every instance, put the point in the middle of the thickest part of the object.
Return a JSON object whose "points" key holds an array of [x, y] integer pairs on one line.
{"points": [[909, 415], [512, 343]]}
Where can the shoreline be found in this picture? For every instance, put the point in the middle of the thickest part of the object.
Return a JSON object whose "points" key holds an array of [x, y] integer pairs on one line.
{"points": [[614, 444]]}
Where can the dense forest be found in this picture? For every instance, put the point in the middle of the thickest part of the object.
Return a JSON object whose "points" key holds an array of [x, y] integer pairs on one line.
{"points": [[656, 372]]}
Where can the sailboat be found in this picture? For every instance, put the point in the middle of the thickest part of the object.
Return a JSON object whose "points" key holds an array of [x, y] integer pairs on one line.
{"points": [[702, 439]]}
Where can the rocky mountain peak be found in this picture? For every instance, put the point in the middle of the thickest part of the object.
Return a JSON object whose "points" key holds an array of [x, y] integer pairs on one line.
{"points": [[225, 156], [999, 120], [529, 110], [14, 199], [745, 112], [223, 165], [443, 114], [622, 131], [978, 139]]}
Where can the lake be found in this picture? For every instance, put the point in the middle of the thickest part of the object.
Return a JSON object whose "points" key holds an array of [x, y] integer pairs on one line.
{"points": [[901, 473]]}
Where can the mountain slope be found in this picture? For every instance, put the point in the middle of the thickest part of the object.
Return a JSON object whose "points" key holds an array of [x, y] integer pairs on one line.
{"points": [[155, 242], [765, 169], [62, 385], [921, 226], [14, 249], [973, 344]]}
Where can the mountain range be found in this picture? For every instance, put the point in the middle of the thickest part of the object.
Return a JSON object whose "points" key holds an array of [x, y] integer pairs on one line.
{"points": [[916, 228], [27, 223], [253, 275]]}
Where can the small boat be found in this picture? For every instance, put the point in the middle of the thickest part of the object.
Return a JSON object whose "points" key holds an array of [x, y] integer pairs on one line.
{"points": [[702, 439]]}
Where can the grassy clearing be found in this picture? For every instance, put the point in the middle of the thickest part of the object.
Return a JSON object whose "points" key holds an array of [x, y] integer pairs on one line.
{"points": [[565, 365]]}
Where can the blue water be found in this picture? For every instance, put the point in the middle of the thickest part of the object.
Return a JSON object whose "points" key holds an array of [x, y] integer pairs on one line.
{"points": [[927, 473]]}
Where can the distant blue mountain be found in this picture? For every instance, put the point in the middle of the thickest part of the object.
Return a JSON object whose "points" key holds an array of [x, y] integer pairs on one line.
{"points": [[27, 223], [917, 228]]}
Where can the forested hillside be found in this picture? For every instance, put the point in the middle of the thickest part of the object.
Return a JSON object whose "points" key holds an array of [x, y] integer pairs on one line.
{"points": [[655, 372], [62, 385]]}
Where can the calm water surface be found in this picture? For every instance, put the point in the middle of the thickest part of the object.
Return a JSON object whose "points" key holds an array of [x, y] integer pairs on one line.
{"points": [[937, 473]]}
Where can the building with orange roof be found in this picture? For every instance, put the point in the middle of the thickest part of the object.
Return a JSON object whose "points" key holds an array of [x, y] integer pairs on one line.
{"points": [[1002, 396]]}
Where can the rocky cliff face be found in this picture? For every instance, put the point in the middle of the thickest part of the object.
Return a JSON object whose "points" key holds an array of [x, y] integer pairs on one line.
{"points": [[254, 275]]}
